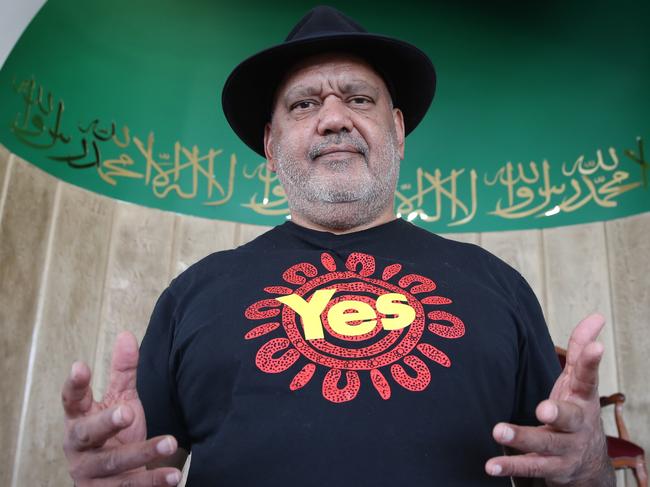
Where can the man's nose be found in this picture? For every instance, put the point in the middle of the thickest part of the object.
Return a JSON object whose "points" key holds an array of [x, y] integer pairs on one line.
{"points": [[334, 117]]}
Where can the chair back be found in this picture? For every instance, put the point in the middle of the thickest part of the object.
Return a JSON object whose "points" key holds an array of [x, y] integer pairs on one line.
{"points": [[561, 355]]}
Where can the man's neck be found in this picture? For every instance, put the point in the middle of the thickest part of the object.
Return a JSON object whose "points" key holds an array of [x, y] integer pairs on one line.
{"points": [[301, 220]]}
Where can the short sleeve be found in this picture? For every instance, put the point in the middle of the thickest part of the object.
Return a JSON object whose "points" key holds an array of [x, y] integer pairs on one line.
{"points": [[156, 384], [539, 367]]}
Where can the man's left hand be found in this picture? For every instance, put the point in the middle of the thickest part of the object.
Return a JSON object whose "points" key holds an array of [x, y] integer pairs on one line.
{"points": [[569, 448]]}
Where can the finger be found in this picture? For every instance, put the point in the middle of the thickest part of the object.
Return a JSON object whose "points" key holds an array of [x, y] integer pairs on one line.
{"points": [[128, 457], [124, 364], [530, 465], [76, 395], [147, 478], [531, 439], [93, 431], [584, 379], [560, 415], [584, 333]]}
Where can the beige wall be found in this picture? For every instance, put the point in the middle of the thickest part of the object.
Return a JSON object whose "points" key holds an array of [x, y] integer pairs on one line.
{"points": [[76, 268]]}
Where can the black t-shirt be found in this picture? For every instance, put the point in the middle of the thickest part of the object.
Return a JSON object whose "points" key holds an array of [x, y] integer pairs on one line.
{"points": [[381, 357]]}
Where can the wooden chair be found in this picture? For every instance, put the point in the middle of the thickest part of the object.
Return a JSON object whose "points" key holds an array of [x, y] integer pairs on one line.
{"points": [[623, 453]]}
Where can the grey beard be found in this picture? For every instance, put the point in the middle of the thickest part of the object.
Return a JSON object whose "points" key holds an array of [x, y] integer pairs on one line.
{"points": [[332, 206]]}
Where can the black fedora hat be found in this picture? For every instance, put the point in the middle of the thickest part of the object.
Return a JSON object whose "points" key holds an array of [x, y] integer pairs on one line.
{"points": [[247, 95]]}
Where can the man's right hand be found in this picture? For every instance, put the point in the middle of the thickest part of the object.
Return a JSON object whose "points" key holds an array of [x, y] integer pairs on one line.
{"points": [[105, 442]]}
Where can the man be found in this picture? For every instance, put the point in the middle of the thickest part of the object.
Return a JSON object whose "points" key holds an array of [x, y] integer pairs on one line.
{"points": [[345, 347]]}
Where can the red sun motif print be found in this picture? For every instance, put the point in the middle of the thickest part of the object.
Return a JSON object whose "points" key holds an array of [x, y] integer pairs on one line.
{"points": [[365, 323]]}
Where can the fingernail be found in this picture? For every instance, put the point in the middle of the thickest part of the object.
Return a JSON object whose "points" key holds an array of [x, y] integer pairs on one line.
{"points": [[165, 447], [496, 469], [117, 417], [507, 434], [173, 478]]}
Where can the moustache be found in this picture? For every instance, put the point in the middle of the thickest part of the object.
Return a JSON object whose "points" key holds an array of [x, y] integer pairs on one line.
{"points": [[335, 140]]}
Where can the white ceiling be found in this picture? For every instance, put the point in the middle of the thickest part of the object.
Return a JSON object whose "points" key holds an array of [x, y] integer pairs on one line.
{"points": [[14, 17]]}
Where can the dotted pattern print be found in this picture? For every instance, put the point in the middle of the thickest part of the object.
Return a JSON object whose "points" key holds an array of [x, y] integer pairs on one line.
{"points": [[267, 363], [349, 391], [364, 261], [258, 331], [424, 283], [433, 300], [380, 383], [266, 308], [381, 357], [293, 273], [328, 261], [456, 330], [422, 374], [438, 356], [301, 379], [390, 271], [278, 290]]}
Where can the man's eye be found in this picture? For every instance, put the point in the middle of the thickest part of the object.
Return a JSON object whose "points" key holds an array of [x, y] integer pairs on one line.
{"points": [[303, 105], [359, 100]]}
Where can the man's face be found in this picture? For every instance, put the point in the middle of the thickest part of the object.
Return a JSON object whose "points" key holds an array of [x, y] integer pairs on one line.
{"points": [[336, 142]]}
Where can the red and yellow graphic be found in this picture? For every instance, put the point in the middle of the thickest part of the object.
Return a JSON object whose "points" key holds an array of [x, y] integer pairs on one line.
{"points": [[349, 305]]}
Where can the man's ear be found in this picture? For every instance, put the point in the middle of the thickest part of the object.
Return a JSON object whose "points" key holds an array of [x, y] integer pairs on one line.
{"points": [[398, 120], [268, 148]]}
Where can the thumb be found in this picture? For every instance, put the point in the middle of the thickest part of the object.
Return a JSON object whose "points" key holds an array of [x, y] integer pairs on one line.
{"points": [[124, 364]]}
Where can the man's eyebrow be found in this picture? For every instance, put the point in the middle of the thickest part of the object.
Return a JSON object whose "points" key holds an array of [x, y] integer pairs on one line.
{"points": [[346, 86], [358, 86], [300, 91]]}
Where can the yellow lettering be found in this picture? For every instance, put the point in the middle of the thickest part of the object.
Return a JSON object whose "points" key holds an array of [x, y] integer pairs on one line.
{"points": [[349, 318], [405, 313], [339, 318], [310, 310]]}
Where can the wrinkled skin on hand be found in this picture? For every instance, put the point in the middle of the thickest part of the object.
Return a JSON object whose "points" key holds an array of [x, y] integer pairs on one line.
{"points": [[105, 441], [569, 448]]}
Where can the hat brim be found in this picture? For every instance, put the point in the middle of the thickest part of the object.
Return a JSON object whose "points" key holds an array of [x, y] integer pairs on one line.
{"points": [[248, 93]]}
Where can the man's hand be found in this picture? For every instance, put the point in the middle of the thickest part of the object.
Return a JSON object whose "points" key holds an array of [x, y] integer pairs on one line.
{"points": [[105, 442], [569, 448]]}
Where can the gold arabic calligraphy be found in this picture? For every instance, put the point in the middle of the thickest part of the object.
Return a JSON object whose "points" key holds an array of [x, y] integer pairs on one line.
{"points": [[531, 193], [188, 175], [520, 190]]}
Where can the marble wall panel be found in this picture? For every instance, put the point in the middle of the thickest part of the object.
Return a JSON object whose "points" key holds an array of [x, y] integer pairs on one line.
{"points": [[194, 238], [138, 270], [71, 302], [246, 233], [473, 238], [5, 162], [24, 231], [577, 284], [4, 157], [629, 269]]}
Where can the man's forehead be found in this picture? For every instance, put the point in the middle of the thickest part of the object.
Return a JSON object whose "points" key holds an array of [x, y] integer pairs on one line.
{"points": [[350, 71]]}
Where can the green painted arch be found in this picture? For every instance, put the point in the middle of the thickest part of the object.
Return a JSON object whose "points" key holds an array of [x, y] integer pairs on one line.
{"points": [[538, 120]]}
